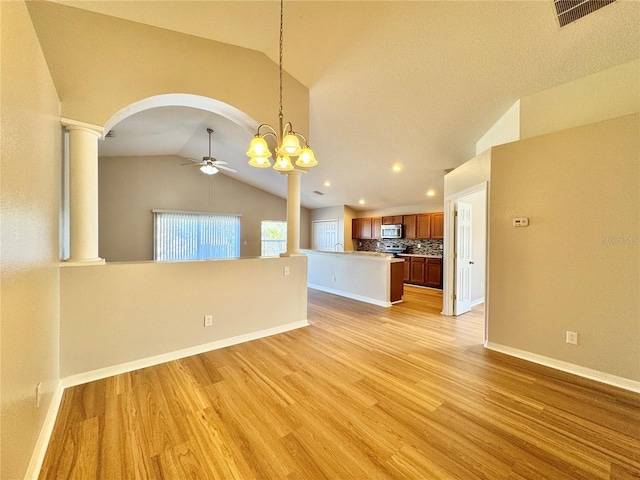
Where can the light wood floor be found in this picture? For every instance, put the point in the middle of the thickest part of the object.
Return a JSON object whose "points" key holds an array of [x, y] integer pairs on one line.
{"points": [[363, 393]]}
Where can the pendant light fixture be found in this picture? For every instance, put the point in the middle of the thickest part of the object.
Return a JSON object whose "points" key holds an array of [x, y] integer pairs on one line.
{"points": [[287, 140]]}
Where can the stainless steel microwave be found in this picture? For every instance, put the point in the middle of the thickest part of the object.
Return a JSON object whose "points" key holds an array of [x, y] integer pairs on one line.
{"points": [[391, 231]]}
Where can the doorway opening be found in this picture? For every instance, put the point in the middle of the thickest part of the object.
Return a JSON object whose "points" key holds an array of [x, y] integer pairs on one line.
{"points": [[466, 252]]}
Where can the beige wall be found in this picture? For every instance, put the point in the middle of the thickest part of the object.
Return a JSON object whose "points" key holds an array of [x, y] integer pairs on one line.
{"points": [[608, 94], [118, 313], [86, 53], [130, 187], [576, 267], [30, 192]]}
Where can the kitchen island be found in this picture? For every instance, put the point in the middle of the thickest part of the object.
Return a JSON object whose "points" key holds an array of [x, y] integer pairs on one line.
{"points": [[370, 277]]}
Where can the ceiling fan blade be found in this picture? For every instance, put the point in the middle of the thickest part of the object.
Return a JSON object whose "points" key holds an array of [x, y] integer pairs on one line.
{"points": [[219, 162], [229, 169], [194, 164]]}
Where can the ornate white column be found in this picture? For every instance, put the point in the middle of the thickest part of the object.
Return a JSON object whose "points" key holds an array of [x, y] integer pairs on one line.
{"points": [[83, 190], [293, 212]]}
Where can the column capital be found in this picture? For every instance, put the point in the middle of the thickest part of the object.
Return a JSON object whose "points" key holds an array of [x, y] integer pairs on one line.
{"points": [[87, 127]]}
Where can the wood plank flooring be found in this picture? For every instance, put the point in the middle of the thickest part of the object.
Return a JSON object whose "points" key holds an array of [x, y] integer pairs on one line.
{"points": [[363, 393]]}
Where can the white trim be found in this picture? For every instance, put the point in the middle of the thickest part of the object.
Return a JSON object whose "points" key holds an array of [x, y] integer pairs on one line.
{"points": [[185, 100], [572, 368], [101, 373], [353, 296], [39, 451]]}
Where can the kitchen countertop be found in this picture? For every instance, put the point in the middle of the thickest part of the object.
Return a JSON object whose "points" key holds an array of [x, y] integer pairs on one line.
{"points": [[418, 255]]}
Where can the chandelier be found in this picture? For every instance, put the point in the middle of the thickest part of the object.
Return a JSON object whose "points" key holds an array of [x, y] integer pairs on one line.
{"points": [[287, 140]]}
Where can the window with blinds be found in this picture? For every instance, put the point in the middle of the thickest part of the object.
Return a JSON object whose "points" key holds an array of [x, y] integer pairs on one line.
{"points": [[195, 236]]}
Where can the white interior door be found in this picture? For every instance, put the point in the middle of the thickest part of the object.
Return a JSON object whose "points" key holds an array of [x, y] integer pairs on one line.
{"points": [[464, 262], [325, 235]]}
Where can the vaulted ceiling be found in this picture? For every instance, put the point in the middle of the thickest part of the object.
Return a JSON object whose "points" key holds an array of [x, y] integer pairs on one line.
{"points": [[391, 82]]}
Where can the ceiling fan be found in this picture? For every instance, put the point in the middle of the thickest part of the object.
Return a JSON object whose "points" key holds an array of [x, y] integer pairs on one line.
{"points": [[210, 165]]}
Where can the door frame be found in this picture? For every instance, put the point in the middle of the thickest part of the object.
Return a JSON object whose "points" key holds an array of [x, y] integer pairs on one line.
{"points": [[448, 281]]}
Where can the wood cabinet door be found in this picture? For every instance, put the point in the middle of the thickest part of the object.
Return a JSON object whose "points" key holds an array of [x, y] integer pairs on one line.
{"points": [[423, 227], [393, 220], [376, 227], [355, 228], [417, 270], [365, 228], [433, 273], [437, 225], [409, 225], [407, 268]]}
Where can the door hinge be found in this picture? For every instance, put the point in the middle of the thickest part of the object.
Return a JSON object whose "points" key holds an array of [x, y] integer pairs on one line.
{"points": [[454, 296], [454, 213], [454, 255]]}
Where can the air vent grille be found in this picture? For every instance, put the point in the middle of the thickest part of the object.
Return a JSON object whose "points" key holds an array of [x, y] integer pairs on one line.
{"points": [[569, 11]]}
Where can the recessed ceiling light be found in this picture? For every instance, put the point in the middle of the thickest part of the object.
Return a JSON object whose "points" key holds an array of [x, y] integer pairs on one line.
{"points": [[361, 201], [397, 167], [327, 183], [431, 193]]}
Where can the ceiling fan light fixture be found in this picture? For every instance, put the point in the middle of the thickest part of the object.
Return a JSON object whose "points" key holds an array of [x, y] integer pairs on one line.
{"points": [[287, 141], [209, 169]]}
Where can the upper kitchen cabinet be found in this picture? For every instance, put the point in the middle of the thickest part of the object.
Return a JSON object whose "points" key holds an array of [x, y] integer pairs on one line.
{"points": [[366, 228], [423, 225], [409, 225], [376, 227], [437, 225], [355, 228], [395, 220]]}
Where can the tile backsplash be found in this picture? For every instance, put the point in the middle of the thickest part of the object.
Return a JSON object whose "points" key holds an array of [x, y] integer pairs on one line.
{"points": [[417, 247]]}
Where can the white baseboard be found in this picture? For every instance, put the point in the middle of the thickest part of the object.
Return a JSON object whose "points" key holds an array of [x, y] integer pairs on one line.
{"points": [[101, 373], [477, 302], [353, 296], [572, 368], [37, 457]]}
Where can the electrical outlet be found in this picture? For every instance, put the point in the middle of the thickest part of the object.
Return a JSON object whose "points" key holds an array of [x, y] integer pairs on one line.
{"points": [[285, 271], [572, 337], [38, 394], [208, 320]]}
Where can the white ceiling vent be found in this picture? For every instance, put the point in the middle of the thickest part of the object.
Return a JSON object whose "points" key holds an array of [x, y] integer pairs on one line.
{"points": [[568, 11]]}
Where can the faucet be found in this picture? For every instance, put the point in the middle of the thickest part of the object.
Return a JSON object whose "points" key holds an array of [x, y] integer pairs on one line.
{"points": [[335, 247]]}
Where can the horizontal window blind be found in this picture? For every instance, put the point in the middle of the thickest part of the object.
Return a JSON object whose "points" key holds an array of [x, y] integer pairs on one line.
{"points": [[195, 236]]}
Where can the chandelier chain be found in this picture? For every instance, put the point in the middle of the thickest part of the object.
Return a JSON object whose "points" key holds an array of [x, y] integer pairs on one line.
{"points": [[281, 42]]}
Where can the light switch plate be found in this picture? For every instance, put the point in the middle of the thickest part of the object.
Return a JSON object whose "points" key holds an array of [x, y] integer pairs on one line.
{"points": [[521, 222]]}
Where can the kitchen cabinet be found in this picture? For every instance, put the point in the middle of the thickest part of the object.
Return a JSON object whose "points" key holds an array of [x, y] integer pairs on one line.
{"points": [[376, 227], [423, 271], [409, 226], [393, 220], [433, 273], [407, 268], [361, 228], [397, 283], [416, 274], [423, 225], [437, 225], [355, 228], [365, 228]]}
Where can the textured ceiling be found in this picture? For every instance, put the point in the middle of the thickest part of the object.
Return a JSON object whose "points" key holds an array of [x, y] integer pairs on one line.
{"points": [[413, 83]]}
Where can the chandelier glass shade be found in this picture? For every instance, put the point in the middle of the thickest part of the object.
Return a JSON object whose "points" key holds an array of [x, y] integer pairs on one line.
{"points": [[287, 141]]}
